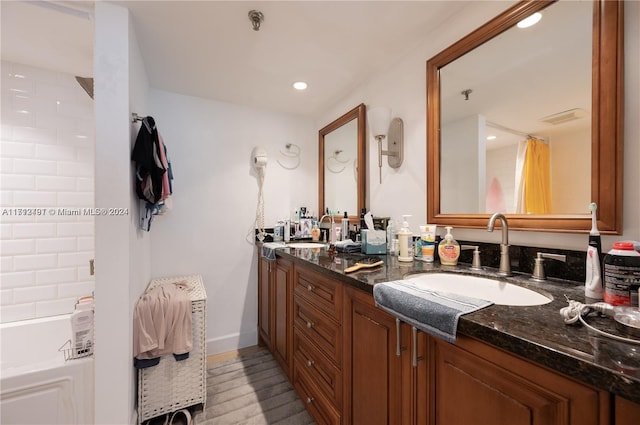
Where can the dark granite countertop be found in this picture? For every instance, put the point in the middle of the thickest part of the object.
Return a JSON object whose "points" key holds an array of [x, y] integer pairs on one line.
{"points": [[536, 333]]}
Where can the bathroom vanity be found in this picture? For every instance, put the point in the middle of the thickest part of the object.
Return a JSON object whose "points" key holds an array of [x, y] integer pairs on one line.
{"points": [[352, 363]]}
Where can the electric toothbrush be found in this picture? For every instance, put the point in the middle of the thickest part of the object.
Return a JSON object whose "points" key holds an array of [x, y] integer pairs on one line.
{"points": [[593, 283]]}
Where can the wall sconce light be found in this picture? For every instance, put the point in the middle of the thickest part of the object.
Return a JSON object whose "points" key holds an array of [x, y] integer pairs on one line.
{"points": [[382, 126]]}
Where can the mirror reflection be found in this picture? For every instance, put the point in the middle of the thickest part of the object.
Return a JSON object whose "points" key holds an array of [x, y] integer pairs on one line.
{"points": [[341, 164], [516, 119]]}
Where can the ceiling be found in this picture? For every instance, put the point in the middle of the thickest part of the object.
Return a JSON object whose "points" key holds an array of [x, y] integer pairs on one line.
{"points": [[208, 49]]}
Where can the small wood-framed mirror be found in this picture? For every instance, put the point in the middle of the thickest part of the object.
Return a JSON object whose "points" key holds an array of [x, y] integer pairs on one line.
{"points": [[341, 164], [603, 174]]}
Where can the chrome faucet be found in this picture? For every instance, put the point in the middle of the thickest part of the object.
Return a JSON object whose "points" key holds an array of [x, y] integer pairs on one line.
{"points": [[330, 231], [505, 263]]}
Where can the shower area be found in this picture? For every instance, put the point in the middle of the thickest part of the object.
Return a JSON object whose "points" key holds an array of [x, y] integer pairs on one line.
{"points": [[47, 149]]}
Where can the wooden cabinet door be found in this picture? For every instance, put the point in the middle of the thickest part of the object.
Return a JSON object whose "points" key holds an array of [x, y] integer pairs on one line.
{"points": [[283, 307], [372, 370], [627, 412], [479, 384], [265, 295]]}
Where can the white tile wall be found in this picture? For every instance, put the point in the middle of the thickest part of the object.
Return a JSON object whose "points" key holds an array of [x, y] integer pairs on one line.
{"points": [[47, 148]]}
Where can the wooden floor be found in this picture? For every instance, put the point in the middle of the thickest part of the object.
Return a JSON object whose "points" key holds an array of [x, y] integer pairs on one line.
{"points": [[217, 358]]}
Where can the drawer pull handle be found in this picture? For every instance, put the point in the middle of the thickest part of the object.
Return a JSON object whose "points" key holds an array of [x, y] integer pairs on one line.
{"points": [[310, 363], [309, 400], [309, 325], [310, 287], [397, 337]]}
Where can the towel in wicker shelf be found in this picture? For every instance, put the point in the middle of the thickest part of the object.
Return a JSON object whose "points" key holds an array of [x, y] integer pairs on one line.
{"points": [[162, 324]]}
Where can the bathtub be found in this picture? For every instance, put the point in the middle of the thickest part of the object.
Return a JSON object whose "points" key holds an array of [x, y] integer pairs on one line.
{"points": [[37, 386]]}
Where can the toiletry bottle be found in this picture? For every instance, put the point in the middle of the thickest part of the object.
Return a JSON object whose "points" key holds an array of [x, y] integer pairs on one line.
{"points": [[404, 241], [390, 235], [345, 226], [82, 329], [449, 249], [315, 232]]}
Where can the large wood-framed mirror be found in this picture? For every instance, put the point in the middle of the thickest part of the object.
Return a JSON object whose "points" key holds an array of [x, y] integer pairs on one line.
{"points": [[601, 177], [341, 164]]}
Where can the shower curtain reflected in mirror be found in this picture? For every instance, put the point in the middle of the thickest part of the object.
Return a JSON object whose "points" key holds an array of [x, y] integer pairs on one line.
{"points": [[533, 177]]}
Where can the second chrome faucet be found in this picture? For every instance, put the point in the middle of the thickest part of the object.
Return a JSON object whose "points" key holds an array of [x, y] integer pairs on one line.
{"points": [[505, 262]]}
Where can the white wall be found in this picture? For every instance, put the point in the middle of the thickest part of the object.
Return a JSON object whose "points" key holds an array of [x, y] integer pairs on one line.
{"points": [[122, 251], [403, 88], [215, 197], [47, 150]]}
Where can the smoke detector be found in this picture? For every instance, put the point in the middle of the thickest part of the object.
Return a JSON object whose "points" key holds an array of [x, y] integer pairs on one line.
{"points": [[564, 116]]}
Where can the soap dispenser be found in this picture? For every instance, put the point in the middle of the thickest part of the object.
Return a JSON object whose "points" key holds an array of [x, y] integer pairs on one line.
{"points": [[404, 241], [449, 249]]}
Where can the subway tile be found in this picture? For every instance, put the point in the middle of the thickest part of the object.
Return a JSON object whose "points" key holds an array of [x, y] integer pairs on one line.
{"points": [[49, 308], [74, 259], [6, 297], [17, 247], [86, 243], [34, 199], [69, 168], [6, 164], [75, 229], [34, 166], [85, 184], [17, 182], [84, 273], [85, 154], [17, 279], [14, 313], [29, 295], [53, 120], [51, 245], [33, 230], [34, 262], [6, 231], [66, 275], [17, 149], [56, 183], [36, 135], [75, 289], [19, 118], [75, 199], [6, 263], [55, 152], [6, 198]]}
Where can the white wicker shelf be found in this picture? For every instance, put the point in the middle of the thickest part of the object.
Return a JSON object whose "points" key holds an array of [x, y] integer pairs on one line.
{"points": [[173, 385]]}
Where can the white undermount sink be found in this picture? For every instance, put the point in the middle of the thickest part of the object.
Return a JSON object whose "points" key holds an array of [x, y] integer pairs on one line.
{"points": [[497, 291], [305, 245]]}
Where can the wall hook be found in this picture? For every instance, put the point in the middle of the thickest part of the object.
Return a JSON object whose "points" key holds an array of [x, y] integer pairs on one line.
{"points": [[466, 93]]}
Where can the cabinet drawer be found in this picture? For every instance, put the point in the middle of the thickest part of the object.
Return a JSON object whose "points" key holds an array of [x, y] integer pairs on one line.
{"points": [[318, 328], [320, 408], [323, 293], [319, 368]]}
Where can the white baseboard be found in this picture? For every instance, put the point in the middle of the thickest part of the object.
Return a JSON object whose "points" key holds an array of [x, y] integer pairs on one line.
{"points": [[231, 342]]}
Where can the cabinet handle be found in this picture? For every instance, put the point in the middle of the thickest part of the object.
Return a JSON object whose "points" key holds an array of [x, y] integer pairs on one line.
{"points": [[310, 363], [415, 346], [310, 288], [398, 324], [309, 400], [309, 325]]}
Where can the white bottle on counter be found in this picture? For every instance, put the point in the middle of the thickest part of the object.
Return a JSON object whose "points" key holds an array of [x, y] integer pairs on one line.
{"points": [[405, 239]]}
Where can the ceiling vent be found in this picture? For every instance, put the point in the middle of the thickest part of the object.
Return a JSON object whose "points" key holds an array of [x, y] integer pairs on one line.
{"points": [[565, 116]]}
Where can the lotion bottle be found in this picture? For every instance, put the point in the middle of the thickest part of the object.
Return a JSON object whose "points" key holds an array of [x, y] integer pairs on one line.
{"points": [[449, 249], [405, 239]]}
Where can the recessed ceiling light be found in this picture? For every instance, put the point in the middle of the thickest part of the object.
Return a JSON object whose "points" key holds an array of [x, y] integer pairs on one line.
{"points": [[491, 137], [530, 21], [300, 85]]}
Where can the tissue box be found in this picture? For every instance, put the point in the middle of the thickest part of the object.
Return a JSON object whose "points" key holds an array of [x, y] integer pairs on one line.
{"points": [[373, 241]]}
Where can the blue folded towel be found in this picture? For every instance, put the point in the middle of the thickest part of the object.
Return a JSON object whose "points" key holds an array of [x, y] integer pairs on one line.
{"points": [[435, 313]]}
